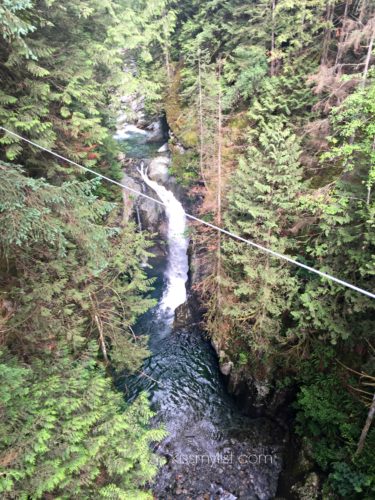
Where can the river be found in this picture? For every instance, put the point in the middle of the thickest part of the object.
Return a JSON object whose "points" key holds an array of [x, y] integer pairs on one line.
{"points": [[213, 450]]}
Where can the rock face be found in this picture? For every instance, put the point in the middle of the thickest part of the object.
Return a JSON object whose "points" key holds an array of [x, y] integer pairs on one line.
{"points": [[158, 169], [183, 316], [309, 489], [226, 368], [133, 119], [257, 396], [155, 131], [148, 214], [133, 111], [130, 199]]}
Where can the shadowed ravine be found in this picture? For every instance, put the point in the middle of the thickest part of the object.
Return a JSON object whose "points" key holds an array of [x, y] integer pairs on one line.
{"points": [[211, 448]]}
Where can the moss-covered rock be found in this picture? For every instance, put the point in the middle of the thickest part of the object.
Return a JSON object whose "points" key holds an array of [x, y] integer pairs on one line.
{"points": [[309, 488], [181, 118]]}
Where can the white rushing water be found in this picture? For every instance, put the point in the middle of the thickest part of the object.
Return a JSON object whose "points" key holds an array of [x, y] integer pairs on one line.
{"points": [[177, 270]]}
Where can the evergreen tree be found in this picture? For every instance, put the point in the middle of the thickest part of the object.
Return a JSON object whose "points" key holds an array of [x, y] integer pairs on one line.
{"points": [[345, 242], [66, 432], [85, 279], [272, 77], [58, 76], [262, 206]]}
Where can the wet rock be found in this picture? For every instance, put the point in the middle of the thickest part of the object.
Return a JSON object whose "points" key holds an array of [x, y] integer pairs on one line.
{"points": [[225, 364], [132, 112], [155, 132], [309, 489], [183, 316], [158, 169], [147, 213], [226, 368], [164, 148], [122, 119], [129, 198], [151, 214]]}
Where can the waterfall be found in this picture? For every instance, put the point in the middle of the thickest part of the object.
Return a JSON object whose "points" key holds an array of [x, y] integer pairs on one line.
{"points": [[177, 269]]}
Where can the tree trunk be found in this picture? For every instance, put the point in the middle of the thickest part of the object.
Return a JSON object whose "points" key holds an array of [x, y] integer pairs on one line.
{"points": [[200, 115], [368, 57], [366, 428], [219, 179], [327, 34], [99, 326], [362, 10], [101, 338], [342, 35], [166, 48], [273, 38], [167, 64]]}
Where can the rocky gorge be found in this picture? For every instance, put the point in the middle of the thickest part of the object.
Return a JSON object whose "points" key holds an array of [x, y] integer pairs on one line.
{"points": [[212, 459]]}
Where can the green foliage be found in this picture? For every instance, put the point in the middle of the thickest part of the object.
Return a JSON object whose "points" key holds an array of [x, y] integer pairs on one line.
{"points": [[267, 316], [332, 419], [74, 436], [353, 134], [59, 98], [349, 483], [287, 96], [297, 23], [85, 275], [245, 70], [84, 289], [326, 414], [263, 203], [144, 30], [72, 284], [345, 238], [184, 167], [15, 22], [243, 358], [72, 280]]}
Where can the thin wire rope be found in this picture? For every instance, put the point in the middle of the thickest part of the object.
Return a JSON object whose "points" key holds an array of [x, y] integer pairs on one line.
{"points": [[201, 221]]}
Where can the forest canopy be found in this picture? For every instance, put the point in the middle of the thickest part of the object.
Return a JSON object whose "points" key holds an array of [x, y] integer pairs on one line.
{"points": [[270, 105]]}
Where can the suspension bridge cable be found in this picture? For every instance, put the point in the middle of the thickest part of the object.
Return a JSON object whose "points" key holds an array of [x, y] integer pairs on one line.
{"points": [[200, 221]]}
